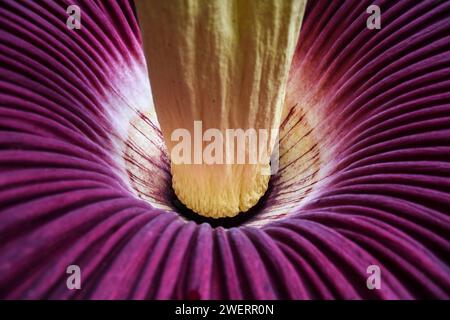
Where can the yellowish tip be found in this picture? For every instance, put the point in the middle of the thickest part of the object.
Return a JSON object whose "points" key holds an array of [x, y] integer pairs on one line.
{"points": [[219, 191]]}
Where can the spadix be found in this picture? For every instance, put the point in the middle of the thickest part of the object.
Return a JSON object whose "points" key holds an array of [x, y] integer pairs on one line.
{"points": [[224, 63]]}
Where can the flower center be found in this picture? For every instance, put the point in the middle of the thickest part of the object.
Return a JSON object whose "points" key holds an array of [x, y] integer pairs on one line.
{"points": [[223, 64]]}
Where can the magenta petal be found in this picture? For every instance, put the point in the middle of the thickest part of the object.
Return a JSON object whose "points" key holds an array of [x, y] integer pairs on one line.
{"points": [[382, 98]]}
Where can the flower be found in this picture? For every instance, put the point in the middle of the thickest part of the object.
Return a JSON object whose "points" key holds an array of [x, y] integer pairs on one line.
{"points": [[363, 177]]}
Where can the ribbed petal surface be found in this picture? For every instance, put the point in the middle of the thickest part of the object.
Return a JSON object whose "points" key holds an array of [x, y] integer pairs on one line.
{"points": [[364, 170]]}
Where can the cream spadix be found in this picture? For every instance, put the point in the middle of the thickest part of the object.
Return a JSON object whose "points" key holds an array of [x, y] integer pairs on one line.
{"points": [[224, 63]]}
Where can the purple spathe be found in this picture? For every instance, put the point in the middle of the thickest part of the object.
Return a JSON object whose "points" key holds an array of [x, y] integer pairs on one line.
{"points": [[383, 99]]}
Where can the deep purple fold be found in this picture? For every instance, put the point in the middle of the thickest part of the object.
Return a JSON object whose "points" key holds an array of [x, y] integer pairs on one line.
{"points": [[383, 100]]}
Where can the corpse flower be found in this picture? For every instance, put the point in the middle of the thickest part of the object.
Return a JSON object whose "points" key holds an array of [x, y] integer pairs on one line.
{"points": [[88, 177]]}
